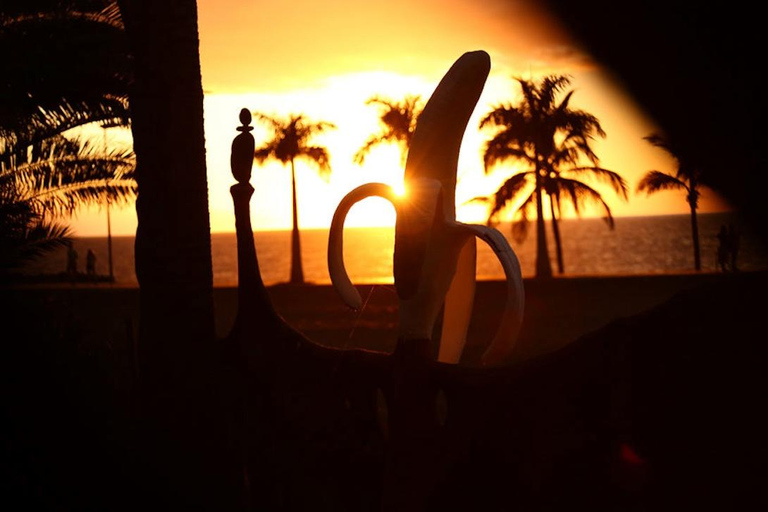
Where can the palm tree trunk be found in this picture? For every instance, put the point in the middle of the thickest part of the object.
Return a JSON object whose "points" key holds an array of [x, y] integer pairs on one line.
{"points": [[181, 418], [173, 251], [297, 272], [695, 236], [543, 265], [556, 232]]}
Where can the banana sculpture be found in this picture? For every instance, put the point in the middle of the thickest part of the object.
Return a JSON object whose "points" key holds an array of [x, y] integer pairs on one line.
{"points": [[434, 255]]}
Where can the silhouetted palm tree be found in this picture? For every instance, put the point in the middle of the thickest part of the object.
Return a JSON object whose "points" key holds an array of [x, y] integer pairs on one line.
{"points": [[398, 122], [291, 141], [562, 185], [177, 336], [546, 136], [686, 178]]}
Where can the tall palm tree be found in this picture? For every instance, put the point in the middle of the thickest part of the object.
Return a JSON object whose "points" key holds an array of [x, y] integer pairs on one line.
{"points": [[173, 245], [686, 178], [398, 122], [291, 141], [179, 351], [544, 134], [562, 185]]}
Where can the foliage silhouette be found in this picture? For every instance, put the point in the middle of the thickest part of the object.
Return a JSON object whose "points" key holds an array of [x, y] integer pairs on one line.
{"points": [[398, 122], [554, 141], [49, 180], [80, 57], [291, 141], [686, 178], [45, 172]]}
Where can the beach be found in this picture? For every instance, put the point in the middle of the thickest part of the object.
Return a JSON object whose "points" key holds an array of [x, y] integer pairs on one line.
{"points": [[557, 311]]}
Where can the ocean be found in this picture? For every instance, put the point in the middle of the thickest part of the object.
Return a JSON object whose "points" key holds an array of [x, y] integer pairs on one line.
{"points": [[636, 245]]}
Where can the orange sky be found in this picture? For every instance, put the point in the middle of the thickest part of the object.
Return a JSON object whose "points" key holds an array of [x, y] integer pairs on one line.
{"points": [[325, 59]]}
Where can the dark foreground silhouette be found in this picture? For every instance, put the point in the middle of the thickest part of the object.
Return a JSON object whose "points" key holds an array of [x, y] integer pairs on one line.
{"points": [[659, 411]]}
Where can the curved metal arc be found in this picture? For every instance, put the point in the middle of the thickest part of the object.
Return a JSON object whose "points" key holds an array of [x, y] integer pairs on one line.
{"points": [[336, 269], [459, 301], [512, 317]]}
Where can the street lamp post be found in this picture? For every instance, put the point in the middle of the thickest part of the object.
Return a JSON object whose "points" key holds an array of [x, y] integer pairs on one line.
{"points": [[109, 221]]}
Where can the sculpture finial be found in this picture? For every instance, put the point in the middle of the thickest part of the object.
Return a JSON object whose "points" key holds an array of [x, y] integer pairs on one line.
{"points": [[245, 119], [241, 160]]}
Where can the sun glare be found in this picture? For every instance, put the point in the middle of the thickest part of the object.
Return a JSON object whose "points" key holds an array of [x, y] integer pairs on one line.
{"points": [[340, 100]]}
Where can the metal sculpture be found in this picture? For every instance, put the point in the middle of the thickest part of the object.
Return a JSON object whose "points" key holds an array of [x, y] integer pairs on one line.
{"points": [[434, 255]]}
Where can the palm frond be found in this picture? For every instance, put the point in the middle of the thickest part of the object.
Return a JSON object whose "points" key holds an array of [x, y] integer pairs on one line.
{"points": [[583, 123], [305, 129], [661, 141], [655, 181], [45, 123], [397, 120], [503, 115], [617, 183], [569, 156], [267, 151], [530, 94], [581, 194], [687, 166], [508, 192], [290, 141], [562, 108], [65, 200], [499, 150], [550, 87], [36, 240], [56, 175], [319, 157], [111, 15], [275, 123]]}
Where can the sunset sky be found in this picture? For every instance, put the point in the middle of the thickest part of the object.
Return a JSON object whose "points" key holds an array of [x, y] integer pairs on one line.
{"points": [[325, 59]]}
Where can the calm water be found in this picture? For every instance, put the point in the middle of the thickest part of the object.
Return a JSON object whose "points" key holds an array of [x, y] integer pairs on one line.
{"points": [[637, 245]]}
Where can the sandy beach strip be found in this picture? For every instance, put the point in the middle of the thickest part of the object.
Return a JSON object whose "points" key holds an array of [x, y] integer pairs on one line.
{"points": [[557, 311]]}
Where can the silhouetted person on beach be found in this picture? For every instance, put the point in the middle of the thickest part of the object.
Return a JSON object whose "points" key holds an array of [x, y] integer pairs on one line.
{"points": [[71, 260], [90, 263], [723, 251]]}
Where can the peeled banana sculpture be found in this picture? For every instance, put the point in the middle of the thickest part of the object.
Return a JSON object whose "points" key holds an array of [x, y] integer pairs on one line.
{"points": [[434, 255]]}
